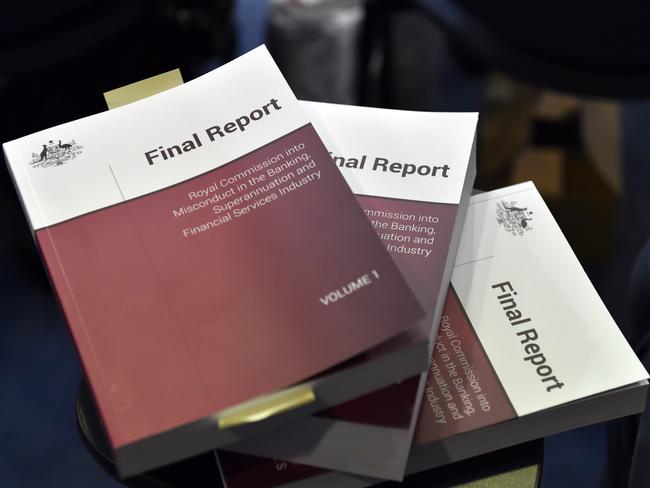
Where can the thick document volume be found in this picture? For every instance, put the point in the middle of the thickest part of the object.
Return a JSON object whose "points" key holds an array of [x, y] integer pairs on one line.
{"points": [[208, 256], [525, 349], [412, 173]]}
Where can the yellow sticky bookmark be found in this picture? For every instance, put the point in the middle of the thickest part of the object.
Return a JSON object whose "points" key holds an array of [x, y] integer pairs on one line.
{"points": [[266, 406], [143, 89]]}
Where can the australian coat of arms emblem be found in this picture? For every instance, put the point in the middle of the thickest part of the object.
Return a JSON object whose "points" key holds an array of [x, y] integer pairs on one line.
{"points": [[55, 154], [513, 218]]}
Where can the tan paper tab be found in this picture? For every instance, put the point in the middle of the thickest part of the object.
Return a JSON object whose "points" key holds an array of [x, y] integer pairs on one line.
{"points": [[264, 407], [143, 89]]}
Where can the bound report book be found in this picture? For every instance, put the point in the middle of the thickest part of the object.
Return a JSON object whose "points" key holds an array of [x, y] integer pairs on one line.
{"points": [[208, 254], [412, 173], [525, 349]]}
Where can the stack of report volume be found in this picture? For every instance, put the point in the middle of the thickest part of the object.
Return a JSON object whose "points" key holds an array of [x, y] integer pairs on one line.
{"points": [[308, 290]]}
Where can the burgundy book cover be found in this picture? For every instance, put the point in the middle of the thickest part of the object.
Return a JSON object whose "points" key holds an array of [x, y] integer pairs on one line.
{"points": [[398, 401], [205, 249]]}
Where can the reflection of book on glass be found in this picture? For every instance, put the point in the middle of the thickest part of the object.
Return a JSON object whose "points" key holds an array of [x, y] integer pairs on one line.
{"points": [[390, 159], [207, 253], [525, 349]]}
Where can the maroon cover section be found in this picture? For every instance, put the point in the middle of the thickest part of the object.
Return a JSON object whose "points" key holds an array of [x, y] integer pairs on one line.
{"points": [[429, 232], [173, 328], [463, 392]]}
